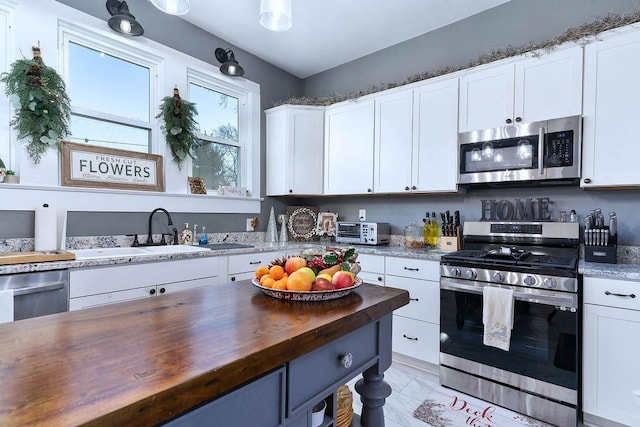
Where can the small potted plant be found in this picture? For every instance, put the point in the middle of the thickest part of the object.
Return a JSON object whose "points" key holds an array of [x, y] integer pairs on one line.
{"points": [[11, 177], [2, 171]]}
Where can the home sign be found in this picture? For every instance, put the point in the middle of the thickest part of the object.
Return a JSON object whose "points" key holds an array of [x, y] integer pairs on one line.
{"points": [[93, 166], [516, 210]]}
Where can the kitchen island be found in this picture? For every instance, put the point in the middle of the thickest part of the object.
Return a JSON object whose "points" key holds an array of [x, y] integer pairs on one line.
{"points": [[151, 361]]}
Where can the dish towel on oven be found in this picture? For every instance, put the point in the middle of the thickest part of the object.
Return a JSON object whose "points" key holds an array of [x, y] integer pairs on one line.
{"points": [[497, 316]]}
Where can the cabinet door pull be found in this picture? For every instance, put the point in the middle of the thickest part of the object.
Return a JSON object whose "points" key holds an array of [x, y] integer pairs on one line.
{"points": [[379, 279], [413, 299], [410, 338], [411, 269], [254, 262], [620, 295]]}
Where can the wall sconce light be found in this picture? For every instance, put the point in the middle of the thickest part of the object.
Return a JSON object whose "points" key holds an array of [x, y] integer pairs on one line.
{"points": [[229, 66], [275, 15], [122, 21], [172, 7]]}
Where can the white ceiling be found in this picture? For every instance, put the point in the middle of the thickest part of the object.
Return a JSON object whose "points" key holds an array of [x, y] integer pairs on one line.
{"points": [[328, 33]]}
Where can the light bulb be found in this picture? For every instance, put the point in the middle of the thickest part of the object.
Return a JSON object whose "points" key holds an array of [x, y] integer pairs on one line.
{"points": [[125, 26], [232, 69]]}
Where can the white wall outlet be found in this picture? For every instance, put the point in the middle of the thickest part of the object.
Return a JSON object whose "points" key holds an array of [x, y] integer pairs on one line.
{"points": [[250, 226], [362, 214]]}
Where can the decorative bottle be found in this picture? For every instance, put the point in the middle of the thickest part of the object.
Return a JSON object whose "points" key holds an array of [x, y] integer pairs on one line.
{"points": [[186, 236], [204, 240]]}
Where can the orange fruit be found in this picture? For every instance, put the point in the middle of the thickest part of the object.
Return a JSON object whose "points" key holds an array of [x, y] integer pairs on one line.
{"points": [[263, 278], [299, 281], [276, 272], [261, 271], [268, 282], [280, 285]]}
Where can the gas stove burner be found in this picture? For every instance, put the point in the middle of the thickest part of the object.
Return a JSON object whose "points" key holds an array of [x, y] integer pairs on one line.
{"points": [[509, 253]]}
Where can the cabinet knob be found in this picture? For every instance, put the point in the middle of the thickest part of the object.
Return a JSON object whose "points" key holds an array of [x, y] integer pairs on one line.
{"points": [[346, 360], [406, 188], [152, 292], [233, 278], [587, 180], [163, 290], [379, 279], [290, 191], [518, 119], [413, 187], [369, 190], [508, 121]]}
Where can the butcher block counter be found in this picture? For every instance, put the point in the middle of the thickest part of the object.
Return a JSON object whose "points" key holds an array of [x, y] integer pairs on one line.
{"points": [[149, 361]]}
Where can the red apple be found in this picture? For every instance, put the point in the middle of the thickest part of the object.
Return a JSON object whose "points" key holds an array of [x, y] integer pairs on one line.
{"points": [[322, 284], [294, 263], [343, 279]]}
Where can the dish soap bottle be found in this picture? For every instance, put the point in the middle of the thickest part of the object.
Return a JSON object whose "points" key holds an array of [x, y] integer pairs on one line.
{"points": [[186, 236], [204, 240]]}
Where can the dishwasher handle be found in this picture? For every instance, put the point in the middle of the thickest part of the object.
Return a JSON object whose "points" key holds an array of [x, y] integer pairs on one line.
{"points": [[39, 288]]}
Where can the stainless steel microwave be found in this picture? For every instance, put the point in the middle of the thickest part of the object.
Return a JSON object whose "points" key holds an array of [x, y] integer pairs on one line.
{"points": [[363, 233], [536, 151]]}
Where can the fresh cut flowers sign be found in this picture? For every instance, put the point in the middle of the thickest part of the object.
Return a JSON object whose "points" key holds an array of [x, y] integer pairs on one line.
{"points": [[93, 166]]}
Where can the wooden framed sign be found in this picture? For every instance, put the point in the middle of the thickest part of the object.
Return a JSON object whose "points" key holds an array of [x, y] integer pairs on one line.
{"points": [[101, 167]]}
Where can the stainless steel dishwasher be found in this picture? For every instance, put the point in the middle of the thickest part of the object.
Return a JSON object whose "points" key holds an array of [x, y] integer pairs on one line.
{"points": [[37, 294]]}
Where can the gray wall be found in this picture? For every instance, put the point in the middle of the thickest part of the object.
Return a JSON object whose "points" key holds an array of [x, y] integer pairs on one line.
{"points": [[516, 23]]}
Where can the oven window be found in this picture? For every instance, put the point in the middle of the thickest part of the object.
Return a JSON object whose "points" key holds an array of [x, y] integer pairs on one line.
{"points": [[543, 340]]}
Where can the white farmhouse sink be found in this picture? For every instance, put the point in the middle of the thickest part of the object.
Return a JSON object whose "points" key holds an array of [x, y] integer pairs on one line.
{"points": [[131, 251], [108, 252]]}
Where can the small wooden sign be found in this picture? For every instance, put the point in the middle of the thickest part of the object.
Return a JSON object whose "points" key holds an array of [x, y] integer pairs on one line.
{"points": [[101, 167]]}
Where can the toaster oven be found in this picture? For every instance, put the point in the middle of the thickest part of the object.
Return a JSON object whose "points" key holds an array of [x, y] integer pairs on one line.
{"points": [[363, 233]]}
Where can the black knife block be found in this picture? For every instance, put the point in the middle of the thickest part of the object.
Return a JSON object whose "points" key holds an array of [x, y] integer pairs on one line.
{"points": [[604, 254]]}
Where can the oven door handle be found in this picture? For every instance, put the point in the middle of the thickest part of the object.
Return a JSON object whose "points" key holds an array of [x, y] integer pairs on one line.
{"points": [[545, 297]]}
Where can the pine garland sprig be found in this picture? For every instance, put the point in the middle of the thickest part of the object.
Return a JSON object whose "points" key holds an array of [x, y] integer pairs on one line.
{"points": [[41, 106], [179, 126]]}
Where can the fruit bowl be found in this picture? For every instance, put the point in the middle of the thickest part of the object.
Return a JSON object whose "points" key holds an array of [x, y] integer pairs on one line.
{"points": [[309, 295]]}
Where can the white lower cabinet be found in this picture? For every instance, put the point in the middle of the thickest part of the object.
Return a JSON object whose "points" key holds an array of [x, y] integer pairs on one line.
{"points": [[372, 268], [242, 267], [94, 286], [416, 326], [611, 383]]}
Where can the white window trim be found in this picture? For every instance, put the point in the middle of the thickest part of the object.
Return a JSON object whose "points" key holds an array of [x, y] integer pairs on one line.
{"points": [[40, 183], [8, 147]]}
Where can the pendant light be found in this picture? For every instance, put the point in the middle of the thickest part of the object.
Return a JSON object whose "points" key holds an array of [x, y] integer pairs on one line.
{"points": [[172, 7], [122, 21], [275, 15]]}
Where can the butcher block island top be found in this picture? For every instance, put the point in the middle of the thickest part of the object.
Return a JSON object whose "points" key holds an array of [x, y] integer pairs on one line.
{"points": [[147, 361]]}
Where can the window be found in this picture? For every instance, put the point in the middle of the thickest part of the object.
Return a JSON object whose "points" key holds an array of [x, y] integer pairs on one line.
{"points": [[6, 44], [110, 92], [218, 155]]}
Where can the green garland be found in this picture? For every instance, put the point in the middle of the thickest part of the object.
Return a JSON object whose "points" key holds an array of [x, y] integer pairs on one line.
{"points": [[179, 126], [42, 107]]}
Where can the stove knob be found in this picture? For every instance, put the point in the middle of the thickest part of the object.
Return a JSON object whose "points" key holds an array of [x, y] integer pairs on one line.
{"points": [[456, 272], [471, 274], [529, 280], [498, 277], [550, 283]]}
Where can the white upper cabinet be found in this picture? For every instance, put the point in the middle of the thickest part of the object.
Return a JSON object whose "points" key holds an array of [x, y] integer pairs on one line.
{"points": [[393, 142], [611, 107], [435, 137], [348, 150], [525, 89], [295, 149]]}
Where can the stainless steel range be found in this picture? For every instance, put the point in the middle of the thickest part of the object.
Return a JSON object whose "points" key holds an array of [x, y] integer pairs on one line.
{"points": [[539, 374]]}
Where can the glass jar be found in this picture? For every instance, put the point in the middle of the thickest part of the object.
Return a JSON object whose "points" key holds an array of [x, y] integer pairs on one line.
{"points": [[413, 236]]}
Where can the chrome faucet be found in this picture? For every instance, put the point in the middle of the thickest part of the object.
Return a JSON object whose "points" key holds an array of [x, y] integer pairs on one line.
{"points": [[169, 222]]}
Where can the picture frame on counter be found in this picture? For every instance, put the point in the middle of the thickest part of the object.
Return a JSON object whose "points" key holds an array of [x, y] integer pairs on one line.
{"points": [[84, 165], [197, 185]]}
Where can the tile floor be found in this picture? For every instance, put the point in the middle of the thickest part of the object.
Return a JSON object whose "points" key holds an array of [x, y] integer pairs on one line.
{"points": [[409, 384]]}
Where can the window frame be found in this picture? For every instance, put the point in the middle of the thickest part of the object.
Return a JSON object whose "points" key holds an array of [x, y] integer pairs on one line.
{"points": [[8, 144], [244, 143], [70, 33]]}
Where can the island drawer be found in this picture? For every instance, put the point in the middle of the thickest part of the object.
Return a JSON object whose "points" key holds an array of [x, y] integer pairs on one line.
{"points": [[415, 268], [323, 368]]}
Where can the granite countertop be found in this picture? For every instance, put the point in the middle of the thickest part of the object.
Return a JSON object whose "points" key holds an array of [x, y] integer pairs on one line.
{"points": [[624, 270]]}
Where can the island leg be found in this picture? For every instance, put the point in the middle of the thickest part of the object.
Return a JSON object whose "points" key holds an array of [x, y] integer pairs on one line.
{"points": [[373, 391]]}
